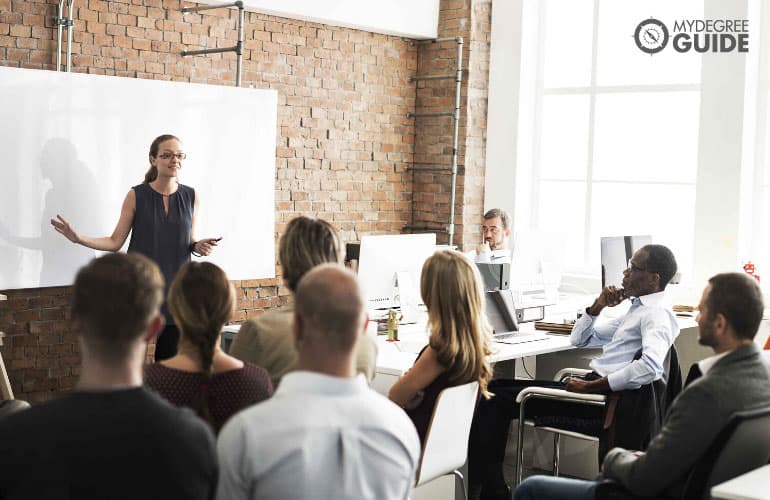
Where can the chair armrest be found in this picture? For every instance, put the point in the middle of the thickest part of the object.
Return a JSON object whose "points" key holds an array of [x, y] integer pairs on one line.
{"points": [[560, 394], [569, 372]]}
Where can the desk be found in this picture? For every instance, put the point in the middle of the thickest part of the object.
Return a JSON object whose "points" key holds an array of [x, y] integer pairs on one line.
{"points": [[750, 486], [395, 358]]}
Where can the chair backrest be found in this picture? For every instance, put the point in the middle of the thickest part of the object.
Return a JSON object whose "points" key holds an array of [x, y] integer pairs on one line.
{"points": [[446, 443], [743, 445]]}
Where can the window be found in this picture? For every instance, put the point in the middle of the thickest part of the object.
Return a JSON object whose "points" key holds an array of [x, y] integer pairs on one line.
{"points": [[608, 135]]}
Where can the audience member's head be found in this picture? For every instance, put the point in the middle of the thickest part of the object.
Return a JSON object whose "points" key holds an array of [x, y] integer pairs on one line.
{"points": [[661, 260], [115, 299], [496, 228], [731, 301], [649, 271], [306, 243], [329, 312], [450, 286], [201, 300]]}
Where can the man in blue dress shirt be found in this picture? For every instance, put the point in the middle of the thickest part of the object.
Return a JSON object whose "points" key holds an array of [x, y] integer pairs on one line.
{"points": [[735, 378], [649, 328]]}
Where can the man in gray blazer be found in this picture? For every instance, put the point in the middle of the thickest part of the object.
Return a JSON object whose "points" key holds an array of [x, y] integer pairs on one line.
{"points": [[736, 378]]}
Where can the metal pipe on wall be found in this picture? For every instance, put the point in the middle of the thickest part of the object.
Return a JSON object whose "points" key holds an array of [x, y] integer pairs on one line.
{"points": [[70, 24], [61, 23], [238, 48], [58, 20], [458, 76], [455, 140]]}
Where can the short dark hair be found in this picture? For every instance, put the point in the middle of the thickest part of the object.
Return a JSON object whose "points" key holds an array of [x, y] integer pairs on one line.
{"points": [[660, 260], [498, 212], [738, 298], [114, 299], [307, 243]]}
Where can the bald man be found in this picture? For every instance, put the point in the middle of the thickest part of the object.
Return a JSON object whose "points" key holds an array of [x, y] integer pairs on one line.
{"points": [[324, 433]]}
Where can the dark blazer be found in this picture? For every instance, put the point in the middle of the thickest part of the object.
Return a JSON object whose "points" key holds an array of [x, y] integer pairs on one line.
{"points": [[738, 381]]}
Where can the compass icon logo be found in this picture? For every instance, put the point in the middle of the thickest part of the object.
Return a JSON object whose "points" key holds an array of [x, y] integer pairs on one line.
{"points": [[651, 36]]}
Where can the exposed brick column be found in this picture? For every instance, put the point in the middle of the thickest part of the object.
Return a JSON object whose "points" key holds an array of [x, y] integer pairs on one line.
{"points": [[470, 19]]}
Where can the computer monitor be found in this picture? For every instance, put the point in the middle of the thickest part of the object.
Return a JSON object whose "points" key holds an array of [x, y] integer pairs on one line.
{"points": [[615, 253], [383, 257], [495, 276]]}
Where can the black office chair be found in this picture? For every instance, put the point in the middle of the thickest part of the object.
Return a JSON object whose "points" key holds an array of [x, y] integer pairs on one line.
{"points": [[743, 445]]}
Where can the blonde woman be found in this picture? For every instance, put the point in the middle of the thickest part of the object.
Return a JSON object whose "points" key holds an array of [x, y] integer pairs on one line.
{"points": [[458, 338], [267, 340]]}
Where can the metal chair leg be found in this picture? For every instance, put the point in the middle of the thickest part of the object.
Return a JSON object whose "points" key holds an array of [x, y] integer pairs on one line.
{"points": [[459, 475], [520, 442], [556, 442]]}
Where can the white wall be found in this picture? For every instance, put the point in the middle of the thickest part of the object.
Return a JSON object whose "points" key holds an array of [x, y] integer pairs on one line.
{"points": [[408, 18], [74, 144]]}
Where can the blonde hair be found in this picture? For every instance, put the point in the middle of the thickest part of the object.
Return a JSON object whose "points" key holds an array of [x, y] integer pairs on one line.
{"points": [[307, 242], [450, 286]]}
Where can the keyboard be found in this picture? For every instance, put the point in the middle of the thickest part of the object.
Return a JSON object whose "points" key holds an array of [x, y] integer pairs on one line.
{"points": [[518, 338]]}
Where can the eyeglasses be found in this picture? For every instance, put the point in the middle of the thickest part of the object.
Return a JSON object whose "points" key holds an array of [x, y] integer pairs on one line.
{"points": [[168, 156], [633, 267], [490, 229]]}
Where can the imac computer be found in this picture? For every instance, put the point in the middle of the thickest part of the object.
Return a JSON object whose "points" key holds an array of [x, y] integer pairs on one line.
{"points": [[387, 260], [615, 253]]}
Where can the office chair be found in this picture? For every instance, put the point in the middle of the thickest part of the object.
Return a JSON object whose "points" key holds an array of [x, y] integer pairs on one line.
{"points": [[623, 422], [741, 446], [446, 443]]}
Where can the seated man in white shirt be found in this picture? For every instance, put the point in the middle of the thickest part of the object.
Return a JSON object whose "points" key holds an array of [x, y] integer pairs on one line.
{"points": [[324, 433], [649, 326], [736, 378], [495, 231]]}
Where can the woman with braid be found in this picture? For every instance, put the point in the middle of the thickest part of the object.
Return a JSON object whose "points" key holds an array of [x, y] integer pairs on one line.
{"points": [[201, 376]]}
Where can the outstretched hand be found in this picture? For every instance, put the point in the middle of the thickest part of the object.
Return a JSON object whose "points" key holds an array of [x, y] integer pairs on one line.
{"points": [[64, 227], [205, 246]]}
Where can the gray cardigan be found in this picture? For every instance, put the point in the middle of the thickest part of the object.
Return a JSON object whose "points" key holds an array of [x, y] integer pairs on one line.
{"points": [[739, 381]]}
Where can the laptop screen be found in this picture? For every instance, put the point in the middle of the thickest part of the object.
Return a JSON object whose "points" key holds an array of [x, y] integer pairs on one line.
{"points": [[501, 311]]}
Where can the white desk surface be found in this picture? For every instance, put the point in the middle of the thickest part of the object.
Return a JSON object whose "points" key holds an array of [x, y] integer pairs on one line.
{"points": [[395, 358], [750, 486]]}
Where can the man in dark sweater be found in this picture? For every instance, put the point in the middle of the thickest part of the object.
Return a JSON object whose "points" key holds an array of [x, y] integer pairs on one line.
{"points": [[736, 378], [109, 438]]}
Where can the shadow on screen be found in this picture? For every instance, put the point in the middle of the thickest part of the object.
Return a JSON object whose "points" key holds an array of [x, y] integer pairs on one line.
{"points": [[62, 184]]}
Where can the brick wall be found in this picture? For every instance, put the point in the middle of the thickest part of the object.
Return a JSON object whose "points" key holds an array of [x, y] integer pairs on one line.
{"points": [[471, 20], [343, 143]]}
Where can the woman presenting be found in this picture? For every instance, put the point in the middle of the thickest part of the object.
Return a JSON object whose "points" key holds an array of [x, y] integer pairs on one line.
{"points": [[160, 214]]}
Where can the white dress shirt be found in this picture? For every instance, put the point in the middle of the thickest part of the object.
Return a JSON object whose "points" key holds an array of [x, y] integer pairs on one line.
{"points": [[490, 256], [649, 324], [319, 437]]}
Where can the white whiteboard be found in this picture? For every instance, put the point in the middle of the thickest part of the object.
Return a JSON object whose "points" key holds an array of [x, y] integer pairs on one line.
{"points": [[74, 144]]}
